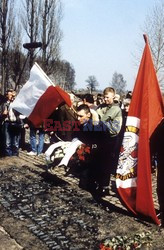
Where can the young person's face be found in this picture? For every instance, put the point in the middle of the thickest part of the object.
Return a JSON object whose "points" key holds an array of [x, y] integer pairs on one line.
{"points": [[82, 116], [108, 98], [126, 107], [10, 95]]}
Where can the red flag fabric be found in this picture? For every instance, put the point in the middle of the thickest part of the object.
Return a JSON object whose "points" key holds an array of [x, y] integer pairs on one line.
{"points": [[47, 103], [38, 98], [133, 178]]}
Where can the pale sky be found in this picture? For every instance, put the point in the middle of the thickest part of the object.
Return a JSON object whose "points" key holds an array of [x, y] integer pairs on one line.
{"points": [[101, 36]]}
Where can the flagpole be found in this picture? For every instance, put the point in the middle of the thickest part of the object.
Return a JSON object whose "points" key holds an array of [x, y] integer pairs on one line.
{"points": [[145, 38], [44, 74]]}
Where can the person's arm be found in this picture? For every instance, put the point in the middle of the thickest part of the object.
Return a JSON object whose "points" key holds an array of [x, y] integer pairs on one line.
{"points": [[112, 119]]}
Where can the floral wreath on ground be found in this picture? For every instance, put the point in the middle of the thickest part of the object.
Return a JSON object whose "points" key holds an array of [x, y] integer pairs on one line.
{"points": [[127, 243], [82, 153]]}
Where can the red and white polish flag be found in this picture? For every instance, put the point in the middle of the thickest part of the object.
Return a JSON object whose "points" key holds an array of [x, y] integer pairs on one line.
{"points": [[38, 98], [133, 175]]}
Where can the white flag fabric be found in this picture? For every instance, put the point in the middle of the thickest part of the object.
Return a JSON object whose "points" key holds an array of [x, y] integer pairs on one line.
{"points": [[31, 91], [38, 98]]}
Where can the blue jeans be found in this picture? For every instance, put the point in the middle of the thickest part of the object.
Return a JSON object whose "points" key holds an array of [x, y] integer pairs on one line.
{"points": [[12, 137], [37, 148]]}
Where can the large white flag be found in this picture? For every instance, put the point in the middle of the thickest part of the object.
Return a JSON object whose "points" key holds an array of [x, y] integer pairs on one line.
{"points": [[38, 98]]}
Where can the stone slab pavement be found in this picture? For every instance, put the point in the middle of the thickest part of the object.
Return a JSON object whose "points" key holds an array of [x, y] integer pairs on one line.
{"points": [[7, 242], [112, 199]]}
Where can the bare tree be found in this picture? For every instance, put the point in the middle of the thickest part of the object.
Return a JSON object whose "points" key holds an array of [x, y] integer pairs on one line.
{"points": [[41, 22], [30, 21], [118, 83], [154, 28], [17, 58], [63, 74], [70, 76], [50, 32], [92, 83], [6, 29]]}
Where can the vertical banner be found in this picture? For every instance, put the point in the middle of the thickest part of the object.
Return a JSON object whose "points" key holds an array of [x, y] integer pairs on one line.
{"points": [[133, 178]]}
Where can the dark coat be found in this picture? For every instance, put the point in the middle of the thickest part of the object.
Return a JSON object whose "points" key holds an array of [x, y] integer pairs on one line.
{"points": [[157, 149], [62, 114]]}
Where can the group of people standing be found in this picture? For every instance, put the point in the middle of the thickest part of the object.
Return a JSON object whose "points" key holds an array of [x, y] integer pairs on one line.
{"points": [[100, 127], [12, 130], [11, 124]]}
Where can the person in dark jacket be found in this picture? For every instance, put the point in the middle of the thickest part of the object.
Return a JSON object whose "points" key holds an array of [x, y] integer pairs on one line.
{"points": [[102, 144], [11, 126], [62, 115], [157, 149]]}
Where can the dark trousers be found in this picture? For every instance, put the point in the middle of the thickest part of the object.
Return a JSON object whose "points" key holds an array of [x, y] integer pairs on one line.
{"points": [[2, 153], [12, 137], [103, 162], [160, 185]]}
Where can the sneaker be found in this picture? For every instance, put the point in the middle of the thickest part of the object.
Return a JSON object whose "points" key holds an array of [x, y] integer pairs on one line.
{"points": [[41, 154], [31, 153]]}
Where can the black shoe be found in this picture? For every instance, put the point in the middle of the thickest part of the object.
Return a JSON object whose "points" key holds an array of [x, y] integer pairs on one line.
{"points": [[162, 219], [63, 166], [103, 191], [51, 170], [91, 187]]}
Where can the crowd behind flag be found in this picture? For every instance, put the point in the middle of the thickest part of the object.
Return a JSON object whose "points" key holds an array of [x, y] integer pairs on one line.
{"points": [[133, 177], [38, 98]]}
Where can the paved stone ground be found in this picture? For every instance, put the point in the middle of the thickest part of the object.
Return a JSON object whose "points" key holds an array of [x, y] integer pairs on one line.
{"points": [[40, 211]]}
